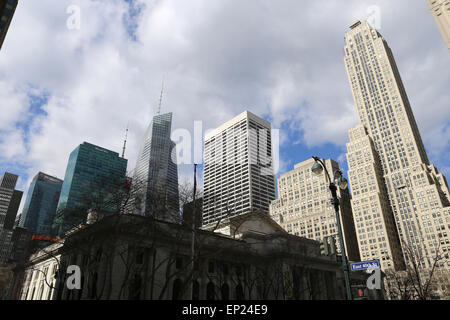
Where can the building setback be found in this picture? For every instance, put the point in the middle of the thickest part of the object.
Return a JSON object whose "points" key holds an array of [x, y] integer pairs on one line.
{"points": [[41, 203], [154, 189], [388, 163], [9, 205], [304, 207], [440, 9], [94, 179], [238, 169], [7, 9], [374, 220]]}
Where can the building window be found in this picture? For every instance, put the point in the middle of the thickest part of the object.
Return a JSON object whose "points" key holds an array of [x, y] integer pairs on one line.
{"points": [[176, 290], [239, 292], [196, 290], [225, 292], [210, 292]]}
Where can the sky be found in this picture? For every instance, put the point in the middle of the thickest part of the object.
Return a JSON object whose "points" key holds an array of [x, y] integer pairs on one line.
{"points": [[81, 70]]}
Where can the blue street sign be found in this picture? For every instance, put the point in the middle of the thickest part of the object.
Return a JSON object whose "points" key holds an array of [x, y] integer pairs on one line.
{"points": [[364, 265]]}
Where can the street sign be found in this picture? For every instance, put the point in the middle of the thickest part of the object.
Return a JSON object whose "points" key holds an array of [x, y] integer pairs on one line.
{"points": [[364, 265]]}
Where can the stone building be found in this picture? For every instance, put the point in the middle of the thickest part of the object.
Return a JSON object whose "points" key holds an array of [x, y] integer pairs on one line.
{"points": [[136, 257]]}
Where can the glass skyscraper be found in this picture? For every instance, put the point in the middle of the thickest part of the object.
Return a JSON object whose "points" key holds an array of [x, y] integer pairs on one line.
{"points": [[41, 203], [155, 181], [93, 180]]}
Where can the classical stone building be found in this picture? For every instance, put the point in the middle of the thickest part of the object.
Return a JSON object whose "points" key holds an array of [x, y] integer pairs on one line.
{"points": [[136, 257]]}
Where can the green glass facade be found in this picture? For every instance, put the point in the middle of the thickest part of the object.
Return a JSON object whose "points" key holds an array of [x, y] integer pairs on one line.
{"points": [[93, 180]]}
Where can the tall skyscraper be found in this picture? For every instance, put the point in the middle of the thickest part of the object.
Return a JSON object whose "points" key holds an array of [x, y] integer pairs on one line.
{"points": [[374, 220], [41, 203], [304, 207], [440, 9], [387, 160], [94, 179], [238, 169], [9, 204], [154, 189], [7, 9]]}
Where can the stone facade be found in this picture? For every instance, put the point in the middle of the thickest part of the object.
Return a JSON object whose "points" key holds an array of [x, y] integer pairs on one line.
{"points": [[135, 257]]}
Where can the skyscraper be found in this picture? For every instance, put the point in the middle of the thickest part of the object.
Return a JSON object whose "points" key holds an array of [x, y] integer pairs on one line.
{"points": [[94, 179], [238, 169], [304, 207], [154, 189], [376, 231], [41, 203], [440, 9], [9, 204], [7, 9], [388, 165]]}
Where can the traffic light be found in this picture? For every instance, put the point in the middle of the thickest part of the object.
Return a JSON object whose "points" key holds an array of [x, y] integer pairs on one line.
{"points": [[332, 244], [359, 293], [324, 248]]}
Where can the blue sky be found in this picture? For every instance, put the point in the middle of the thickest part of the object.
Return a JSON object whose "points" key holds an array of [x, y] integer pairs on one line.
{"points": [[80, 70]]}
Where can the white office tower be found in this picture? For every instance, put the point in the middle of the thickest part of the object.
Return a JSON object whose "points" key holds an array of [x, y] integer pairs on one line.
{"points": [[238, 169]]}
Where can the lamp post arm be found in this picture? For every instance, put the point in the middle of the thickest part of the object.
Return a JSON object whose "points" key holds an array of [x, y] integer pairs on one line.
{"points": [[323, 166]]}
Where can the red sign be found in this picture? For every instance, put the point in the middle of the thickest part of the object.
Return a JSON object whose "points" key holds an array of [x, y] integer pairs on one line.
{"points": [[45, 238]]}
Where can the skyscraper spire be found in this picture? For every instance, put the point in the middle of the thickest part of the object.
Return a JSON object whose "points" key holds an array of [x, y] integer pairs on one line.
{"points": [[125, 141], [160, 98]]}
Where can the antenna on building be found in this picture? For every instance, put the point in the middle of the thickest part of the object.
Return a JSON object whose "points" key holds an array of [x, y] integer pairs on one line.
{"points": [[160, 97], [125, 141]]}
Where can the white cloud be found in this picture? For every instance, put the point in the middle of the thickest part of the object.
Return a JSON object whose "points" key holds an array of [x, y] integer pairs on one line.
{"points": [[281, 59]]}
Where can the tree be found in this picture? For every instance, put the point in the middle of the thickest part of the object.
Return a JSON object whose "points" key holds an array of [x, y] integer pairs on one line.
{"points": [[421, 277]]}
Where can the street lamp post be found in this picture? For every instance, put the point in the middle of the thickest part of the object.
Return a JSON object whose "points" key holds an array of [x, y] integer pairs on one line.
{"points": [[317, 169], [191, 280]]}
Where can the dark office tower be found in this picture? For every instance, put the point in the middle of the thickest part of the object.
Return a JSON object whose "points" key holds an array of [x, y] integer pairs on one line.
{"points": [[41, 203], [154, 190], [9, 204], [7, 9], [94, 179]]}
